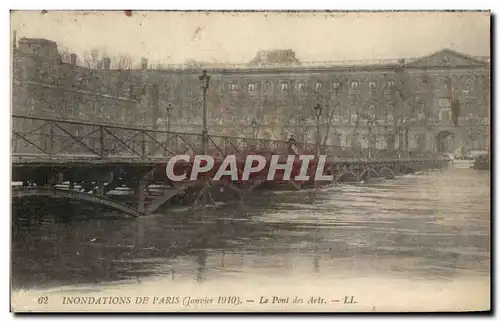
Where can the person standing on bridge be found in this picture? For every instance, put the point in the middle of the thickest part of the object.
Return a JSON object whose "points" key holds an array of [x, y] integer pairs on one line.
{"points": [[292, 144]]}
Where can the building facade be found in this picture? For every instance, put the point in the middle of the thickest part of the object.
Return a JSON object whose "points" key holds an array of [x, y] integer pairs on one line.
{"points": [[440, 102]]}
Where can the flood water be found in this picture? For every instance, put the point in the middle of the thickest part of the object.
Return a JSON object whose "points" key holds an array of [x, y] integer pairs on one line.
{"points": [[428, 227]]}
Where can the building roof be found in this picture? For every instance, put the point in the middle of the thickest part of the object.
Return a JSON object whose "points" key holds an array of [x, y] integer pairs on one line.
{"points": [[285, 60], [278, 60], [36, 41], [274, 57]]}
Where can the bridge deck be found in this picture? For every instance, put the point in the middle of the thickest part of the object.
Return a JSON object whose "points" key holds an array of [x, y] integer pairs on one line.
{"points": [[19, 160]]}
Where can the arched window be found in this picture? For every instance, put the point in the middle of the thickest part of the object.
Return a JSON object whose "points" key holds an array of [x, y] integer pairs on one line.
{"points": [[267, 87], [233, 87], [354, 85]]}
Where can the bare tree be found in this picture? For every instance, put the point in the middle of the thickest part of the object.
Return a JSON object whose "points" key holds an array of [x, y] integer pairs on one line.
{"points": [[299, 126], [399, 113], [195, 64], [93, 58], [360, 105], [65, 55], [298, 112], [122, 61], [370, 115], [333, 106]]}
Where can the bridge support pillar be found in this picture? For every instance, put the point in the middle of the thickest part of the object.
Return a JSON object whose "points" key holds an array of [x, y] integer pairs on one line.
{"points": [[141, 193], [52, 179], [100, 188]]}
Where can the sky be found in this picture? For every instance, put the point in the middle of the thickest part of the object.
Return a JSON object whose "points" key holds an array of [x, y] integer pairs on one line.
{"points": [[174, 37]]}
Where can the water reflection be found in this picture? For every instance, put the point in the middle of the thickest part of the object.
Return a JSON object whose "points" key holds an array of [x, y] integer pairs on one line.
{"points": [[427, 226]]}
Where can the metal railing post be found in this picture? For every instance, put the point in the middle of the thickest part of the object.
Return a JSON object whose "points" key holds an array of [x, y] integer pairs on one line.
{"points": [[102, 150], [50, 143], [143, 144]]}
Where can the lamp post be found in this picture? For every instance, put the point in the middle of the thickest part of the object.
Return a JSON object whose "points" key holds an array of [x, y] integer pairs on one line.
{"points": [[169, 117], [403, 136], [317, 109], [254, 127], [205, 80], [169, 123], [370, 137]]}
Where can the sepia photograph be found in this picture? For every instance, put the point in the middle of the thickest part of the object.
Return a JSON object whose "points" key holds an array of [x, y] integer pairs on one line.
{"points": [[250, 161]]}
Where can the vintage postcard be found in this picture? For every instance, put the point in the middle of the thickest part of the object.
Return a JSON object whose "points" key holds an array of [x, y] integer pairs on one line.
{"points": [[169, 161]]}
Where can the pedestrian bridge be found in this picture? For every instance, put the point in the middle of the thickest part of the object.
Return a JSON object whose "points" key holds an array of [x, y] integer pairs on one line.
{"points": [[100, 158]]}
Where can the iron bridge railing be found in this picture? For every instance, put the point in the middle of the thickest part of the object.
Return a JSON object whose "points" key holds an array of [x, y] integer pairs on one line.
{"points": [[44, 137]]}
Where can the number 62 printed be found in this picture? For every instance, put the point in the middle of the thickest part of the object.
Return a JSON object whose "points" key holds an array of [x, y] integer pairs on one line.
{"points": [[43, 300]]}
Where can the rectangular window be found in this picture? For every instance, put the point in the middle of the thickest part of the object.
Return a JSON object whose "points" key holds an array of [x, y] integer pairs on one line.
{"points": [[81, 112], [301, 87], [233, 87], [43, 76], [445, 115], [444, 102], [336, 85], [284, 86], [373, 85], [33, 104], [390, 84], [84, 82], [251, 88], [267, 87], [468, 84], [339, 140], [319, 86], [420, 140], [421, 111], [131, 92], [354, 86], [70, 109]]}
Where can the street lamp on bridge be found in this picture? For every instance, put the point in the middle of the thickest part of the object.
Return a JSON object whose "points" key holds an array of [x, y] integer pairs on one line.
{"points": [[254, 125], [404, 135], [169, 116], [317, 108], [169, 123], [205, 80]]}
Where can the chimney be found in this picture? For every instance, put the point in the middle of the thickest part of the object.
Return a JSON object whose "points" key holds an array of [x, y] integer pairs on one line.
{"points": [[144, 63], [106, 63], [72, 59], [14, 41]]}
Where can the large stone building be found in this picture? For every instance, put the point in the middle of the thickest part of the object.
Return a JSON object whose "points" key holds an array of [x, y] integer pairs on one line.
{"points": [[402, 104]]}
